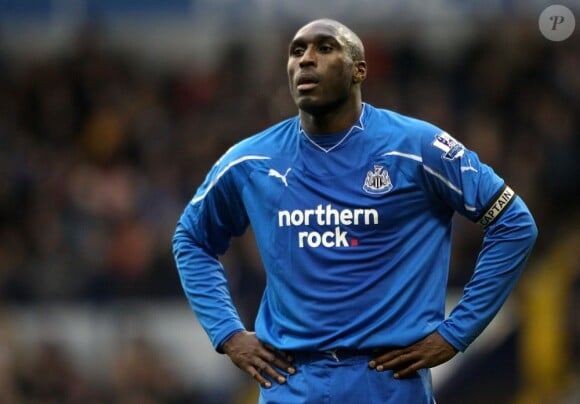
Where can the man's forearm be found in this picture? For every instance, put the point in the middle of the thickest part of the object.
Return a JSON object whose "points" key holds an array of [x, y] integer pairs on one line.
{"points": [[506, 247], [205, 286]]}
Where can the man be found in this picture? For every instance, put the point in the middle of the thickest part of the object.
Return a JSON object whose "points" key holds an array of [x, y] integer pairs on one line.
{"points": [[351, 207]]}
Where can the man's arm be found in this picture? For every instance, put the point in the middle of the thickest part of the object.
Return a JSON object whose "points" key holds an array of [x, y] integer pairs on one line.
{"points": [[211, 219], [204, 283], [456, 176], [203, 280], [507, 244]]}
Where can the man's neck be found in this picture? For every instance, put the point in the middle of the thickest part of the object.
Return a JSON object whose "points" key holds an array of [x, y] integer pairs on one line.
{"points": [[337, 120]]}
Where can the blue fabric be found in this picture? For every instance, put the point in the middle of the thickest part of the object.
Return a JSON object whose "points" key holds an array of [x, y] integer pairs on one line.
{"points": [[328, 379], [355, 240]]}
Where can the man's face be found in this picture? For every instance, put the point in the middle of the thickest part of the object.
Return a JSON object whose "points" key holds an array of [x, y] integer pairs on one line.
{"points": [[320, 68]]}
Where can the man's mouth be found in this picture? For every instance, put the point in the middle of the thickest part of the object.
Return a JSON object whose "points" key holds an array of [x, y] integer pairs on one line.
{"points": [[306, 82]]}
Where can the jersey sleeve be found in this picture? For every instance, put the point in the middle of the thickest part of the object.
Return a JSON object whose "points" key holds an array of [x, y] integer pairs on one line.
{"points": [[203, 232], [457, 177]]}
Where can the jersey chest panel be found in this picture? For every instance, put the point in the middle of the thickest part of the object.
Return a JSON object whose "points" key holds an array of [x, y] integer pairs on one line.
{"points": [[295, 207]]}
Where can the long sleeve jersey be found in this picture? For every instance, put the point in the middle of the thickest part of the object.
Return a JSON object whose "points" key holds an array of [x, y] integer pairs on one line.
{"points": [[355, 238]]}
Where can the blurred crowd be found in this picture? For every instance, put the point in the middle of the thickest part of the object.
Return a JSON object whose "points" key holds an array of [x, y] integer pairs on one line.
{"points": [[100, 153], [139, 375]]}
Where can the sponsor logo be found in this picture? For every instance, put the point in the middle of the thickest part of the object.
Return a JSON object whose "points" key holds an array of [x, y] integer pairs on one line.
{"points": [[332, 222], [377, 181], [468, 167], [451, 148], [276, 174], [501, 202]]}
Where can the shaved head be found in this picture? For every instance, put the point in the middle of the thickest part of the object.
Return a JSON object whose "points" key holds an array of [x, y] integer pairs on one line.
{"points": [[351, 40]]}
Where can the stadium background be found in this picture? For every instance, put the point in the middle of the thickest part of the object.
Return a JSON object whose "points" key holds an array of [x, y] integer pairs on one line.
{"points": [[111, 113]]}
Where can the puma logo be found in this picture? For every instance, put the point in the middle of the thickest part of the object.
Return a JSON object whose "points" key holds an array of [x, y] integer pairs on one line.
{"points": [[468, 167], [274, 173]]}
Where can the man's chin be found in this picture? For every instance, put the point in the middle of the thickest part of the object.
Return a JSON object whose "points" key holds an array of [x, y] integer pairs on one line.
{"points": [[312, 106]]}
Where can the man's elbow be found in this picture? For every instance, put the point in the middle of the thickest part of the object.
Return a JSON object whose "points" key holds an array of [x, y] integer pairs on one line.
{"points": [[529, 226], [533, 230]]}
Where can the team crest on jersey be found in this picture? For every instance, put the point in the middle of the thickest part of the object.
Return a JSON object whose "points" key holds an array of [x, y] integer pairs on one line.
{"points": [[451, 148], [378, 181]]}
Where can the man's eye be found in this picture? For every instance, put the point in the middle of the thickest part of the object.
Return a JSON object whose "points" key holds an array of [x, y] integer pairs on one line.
{"points": [[325, 48], [297, 51]]}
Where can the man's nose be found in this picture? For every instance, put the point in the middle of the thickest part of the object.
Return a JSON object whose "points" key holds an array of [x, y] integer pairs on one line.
{"points": [[309, 57]]}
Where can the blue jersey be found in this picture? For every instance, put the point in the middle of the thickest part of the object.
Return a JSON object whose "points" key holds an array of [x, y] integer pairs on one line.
{"points": [[354, 237]]}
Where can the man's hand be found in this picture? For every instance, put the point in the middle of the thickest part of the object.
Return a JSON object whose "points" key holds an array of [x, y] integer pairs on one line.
{"points": [[429, 352], [256, 358]]}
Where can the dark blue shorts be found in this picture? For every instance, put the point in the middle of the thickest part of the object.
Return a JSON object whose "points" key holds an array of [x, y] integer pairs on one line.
{"points": [[345, 378]]}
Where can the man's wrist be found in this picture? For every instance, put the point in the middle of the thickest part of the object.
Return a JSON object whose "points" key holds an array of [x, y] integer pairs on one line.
{"points": [[222, 346], [450, 339]]}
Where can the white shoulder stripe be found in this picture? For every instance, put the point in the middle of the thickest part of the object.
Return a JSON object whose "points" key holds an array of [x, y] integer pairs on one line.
{"points": [[223, 171], [443, 179], [406, 155], [427, 168]]}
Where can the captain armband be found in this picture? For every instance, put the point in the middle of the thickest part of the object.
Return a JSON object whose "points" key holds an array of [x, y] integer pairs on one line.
{"points": [[499, 203]]}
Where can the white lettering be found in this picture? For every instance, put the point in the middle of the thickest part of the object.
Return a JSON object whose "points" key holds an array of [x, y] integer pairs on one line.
{"points": [[498, 205], [332, 215], [283, 218], [319, 215], [301, 236], [327, 238], [357, 215], [375, 216], [297, 217], [346, 216], [327, 216], [340, 238], [307, 214], [314, 239]]}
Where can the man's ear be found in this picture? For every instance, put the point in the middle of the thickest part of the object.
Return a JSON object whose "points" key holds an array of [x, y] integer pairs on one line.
{"points": [[360, 71]]}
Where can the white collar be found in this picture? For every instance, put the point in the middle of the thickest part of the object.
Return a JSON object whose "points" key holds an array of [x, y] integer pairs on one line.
{"points": [[357, 125]]}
